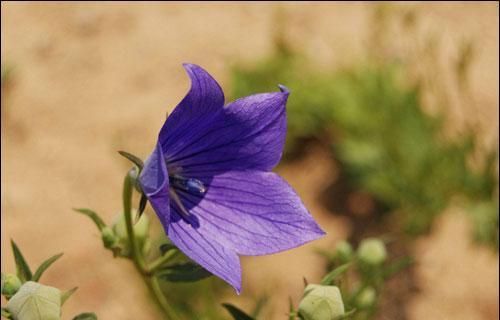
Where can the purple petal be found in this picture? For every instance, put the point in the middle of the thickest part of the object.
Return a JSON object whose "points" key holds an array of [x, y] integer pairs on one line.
{"points": [[254, 213], [204, 99], [206, 251], [154, 182], [248, 133]]}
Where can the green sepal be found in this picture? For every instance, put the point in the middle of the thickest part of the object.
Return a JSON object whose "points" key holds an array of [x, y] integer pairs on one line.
{"points": [[164, 248], [66, 294], [92, 215], [183, 272], [335, 273], [86, 316], [346, 315], [236, 313], [134, 159], [44, 266], [22, 268], [142, 205]]}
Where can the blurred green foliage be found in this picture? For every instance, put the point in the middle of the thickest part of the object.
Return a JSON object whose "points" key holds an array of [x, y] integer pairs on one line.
{"points": [[372, 118]]}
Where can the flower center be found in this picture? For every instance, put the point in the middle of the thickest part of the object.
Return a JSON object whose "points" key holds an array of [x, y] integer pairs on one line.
{"points": [[191, 185]]}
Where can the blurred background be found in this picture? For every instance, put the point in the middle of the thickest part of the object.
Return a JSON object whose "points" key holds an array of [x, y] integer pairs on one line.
{"points": [[393, 132]]}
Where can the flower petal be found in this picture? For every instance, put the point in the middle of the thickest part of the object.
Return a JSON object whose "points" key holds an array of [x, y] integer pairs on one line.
{"points": [[255, 213], [154, 182], [206, 251], [248, 133], [204, 99]]}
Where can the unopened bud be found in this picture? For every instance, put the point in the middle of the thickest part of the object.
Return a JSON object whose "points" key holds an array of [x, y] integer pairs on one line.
{"points": [[372, 252], [35, 301], [343, 251], [141, 229], [366, 298], [321, 303], [10, 285]]}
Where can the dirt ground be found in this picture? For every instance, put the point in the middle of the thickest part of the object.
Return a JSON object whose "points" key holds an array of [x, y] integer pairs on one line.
{"points": [[91, 79]]}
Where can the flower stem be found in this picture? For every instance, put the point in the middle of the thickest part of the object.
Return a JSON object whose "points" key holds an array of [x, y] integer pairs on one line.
{"points": [[160, 298], [136, 254], [127, 211]]}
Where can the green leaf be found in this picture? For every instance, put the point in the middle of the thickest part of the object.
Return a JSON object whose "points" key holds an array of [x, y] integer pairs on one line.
{"points": [[183, 272], [237, 314], [328, 279], [86, 316], [92, 215], [134, 159], [6, 314], [22, 268], [47, 263], [65, 295]]}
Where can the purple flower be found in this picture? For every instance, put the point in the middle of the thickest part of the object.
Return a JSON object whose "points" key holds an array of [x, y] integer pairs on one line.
{"points": [[209, 179]]}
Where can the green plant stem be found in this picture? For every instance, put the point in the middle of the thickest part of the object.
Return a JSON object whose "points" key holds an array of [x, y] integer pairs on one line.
{"points": [[158, 263], [136, 255], [127, 211]]}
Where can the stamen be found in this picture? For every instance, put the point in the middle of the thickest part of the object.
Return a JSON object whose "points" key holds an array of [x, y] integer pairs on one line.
{"points": [[187, 184], [179, 204]]}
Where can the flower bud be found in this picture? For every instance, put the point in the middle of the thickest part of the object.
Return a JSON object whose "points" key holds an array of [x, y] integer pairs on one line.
{"points": [[35, 301], [108, 237], [10, 285], [372, 252], [141, 229], [366, 298], [343, 251], [321, 303]]}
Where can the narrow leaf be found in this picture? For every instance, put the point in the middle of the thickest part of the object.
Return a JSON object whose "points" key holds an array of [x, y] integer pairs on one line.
{"points": [[237, 314], [92, 215], [22, 268], [65, 295], [142, 205], [134, 159], [86, 316], [327, 280], [183, 272], [44, 266]]}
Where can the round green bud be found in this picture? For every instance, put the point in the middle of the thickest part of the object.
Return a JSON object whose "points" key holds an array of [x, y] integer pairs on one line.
{"points": [[321, 303], [108, 237], [372, 252], [10, 285], [35, 301], [141, 228], [343, 251], [366, 298]]}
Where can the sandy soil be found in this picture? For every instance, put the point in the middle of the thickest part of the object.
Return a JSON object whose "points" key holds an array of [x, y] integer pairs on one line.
{"points": [[92, 79]]}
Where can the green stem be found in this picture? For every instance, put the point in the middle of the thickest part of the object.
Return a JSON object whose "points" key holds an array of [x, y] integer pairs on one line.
{"points": [[158, 263], [127, 211], [136, 255], [155, 288]]}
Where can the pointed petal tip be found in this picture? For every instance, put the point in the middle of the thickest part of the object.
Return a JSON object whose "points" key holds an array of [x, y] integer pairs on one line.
{"points": [[284, 89]]}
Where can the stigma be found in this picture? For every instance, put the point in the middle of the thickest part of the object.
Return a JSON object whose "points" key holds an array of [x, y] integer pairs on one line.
{"points": [[190, 185]]}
